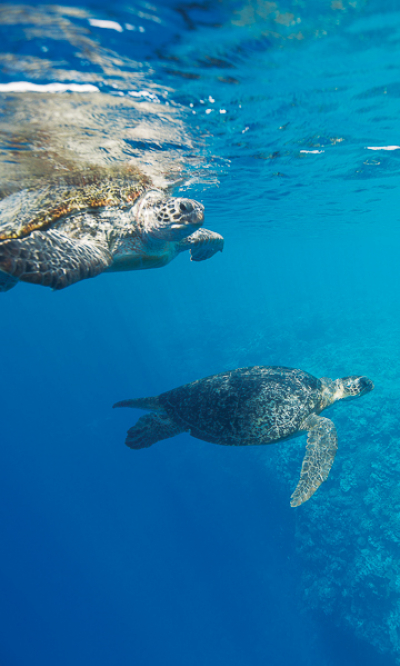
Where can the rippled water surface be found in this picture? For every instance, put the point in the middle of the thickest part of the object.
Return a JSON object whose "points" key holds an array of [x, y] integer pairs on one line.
{"points": [[282, 119]]}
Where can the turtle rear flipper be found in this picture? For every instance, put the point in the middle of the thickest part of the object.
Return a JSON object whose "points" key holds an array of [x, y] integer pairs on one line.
{"points": [[52, 259], [203, 244], [150, 429], [320, 454], [152, 403]]}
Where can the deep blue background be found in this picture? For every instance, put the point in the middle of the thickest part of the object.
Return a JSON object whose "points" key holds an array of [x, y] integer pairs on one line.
{"points": [[189, 553]]}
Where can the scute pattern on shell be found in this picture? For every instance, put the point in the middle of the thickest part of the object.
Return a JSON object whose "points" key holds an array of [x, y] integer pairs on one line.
{"points": [[256, 405], [43, 204]]}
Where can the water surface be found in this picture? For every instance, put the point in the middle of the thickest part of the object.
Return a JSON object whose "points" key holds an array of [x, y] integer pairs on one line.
{"points": [[282, 119]]}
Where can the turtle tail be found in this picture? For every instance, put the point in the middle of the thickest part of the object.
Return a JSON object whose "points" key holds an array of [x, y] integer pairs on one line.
{"points": [[140, 403]]}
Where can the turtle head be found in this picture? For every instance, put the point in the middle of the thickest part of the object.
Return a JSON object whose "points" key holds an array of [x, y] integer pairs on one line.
{"points": [[168, 219], [353, 387]]}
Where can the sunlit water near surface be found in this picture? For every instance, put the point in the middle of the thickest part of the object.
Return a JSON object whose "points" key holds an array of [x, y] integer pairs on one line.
{"points": [[282, 119]]}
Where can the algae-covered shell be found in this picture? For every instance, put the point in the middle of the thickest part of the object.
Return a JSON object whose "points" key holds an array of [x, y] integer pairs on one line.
{"points": [[42, 205]]}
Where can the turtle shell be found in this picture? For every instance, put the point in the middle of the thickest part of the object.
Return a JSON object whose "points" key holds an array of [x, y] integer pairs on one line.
{"points": [[255, 405], [44, 203]]}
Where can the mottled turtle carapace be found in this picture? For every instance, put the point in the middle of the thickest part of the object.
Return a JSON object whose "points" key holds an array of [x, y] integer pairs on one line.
{"points": [[256, 405]]}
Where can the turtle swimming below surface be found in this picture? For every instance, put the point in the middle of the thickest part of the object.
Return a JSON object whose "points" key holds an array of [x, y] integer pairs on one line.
{"points": [[255, 405], [95, 220]]}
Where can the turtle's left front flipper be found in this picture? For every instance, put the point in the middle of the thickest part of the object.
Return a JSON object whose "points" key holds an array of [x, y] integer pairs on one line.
{"points": [[52, 259], [320, 454], [202, 244]]}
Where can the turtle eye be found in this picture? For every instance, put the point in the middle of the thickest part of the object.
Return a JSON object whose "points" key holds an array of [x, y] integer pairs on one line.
{"points": [[186, 207]]}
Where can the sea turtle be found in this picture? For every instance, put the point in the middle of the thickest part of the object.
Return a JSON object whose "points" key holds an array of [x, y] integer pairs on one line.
{"points": [[58, 232], [256, 405]]}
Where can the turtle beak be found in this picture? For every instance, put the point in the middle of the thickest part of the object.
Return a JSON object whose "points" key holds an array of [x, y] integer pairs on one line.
{"points": [[198, 216]]}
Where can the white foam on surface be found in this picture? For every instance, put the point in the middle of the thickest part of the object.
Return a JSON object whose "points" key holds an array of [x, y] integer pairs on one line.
{"points": [[383, 147], [110, 25], [27, 86]]}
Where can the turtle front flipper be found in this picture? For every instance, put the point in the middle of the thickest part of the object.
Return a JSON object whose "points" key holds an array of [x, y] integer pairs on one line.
{"points": [[52, 259], [7, 281], [320, 454], [149, 429], [203, 244]]}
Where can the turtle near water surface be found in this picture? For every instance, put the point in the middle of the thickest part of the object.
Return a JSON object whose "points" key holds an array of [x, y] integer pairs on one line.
{"points": [[59, 232], [256, 405]]}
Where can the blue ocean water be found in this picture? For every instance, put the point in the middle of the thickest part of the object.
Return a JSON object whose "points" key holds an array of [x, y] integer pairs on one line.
{"points": [[282, 119]]}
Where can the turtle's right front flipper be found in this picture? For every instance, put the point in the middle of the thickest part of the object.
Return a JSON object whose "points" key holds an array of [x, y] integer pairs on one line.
{"points": [[203, 244], [52, 259], [321, 451]]}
